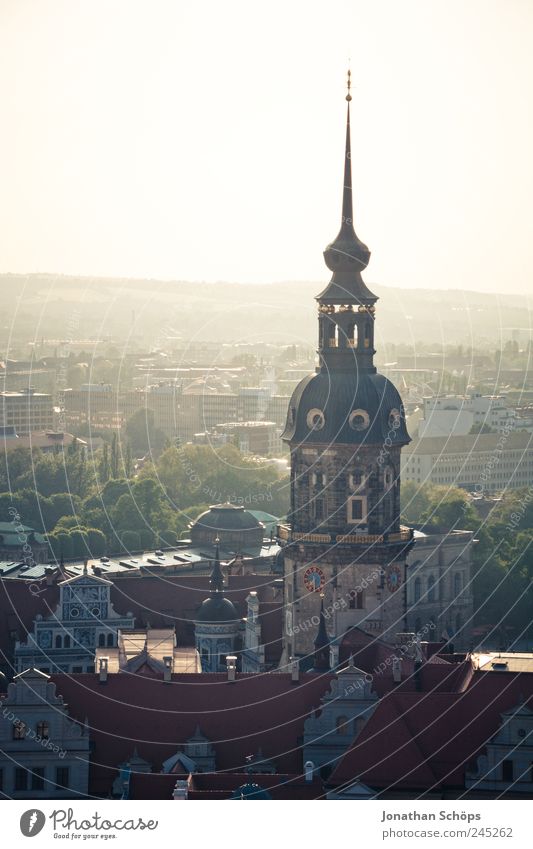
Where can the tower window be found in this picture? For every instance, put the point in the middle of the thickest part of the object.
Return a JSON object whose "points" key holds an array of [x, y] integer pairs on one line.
{"points": [[357, 600], [356, 480], [357, 509], [359, 420]]}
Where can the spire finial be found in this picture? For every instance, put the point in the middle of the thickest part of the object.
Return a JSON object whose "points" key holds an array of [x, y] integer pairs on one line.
{"points": [[348, 85]]}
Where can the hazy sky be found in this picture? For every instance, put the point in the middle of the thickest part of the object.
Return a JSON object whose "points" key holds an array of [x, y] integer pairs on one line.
{"points": [[204, 140]]}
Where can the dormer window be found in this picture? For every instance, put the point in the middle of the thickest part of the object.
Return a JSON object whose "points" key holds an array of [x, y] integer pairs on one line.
{"points": [[43, 730], [19, 729]]}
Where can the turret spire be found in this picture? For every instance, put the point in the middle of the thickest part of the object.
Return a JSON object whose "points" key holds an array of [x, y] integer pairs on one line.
{"points": [[347, 255], [216, 581], [322, 642]]}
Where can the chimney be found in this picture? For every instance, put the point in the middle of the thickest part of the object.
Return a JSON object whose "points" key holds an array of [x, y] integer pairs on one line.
{"points": [[231, 664], [309, 769], [396, 669], [168, 669], [103, 664], [181, 789], [295, 670]]}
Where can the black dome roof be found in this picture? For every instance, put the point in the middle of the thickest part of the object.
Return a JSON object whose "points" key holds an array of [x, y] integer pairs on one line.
{"points": [[227, 517], [217, 608], [336, 395]]}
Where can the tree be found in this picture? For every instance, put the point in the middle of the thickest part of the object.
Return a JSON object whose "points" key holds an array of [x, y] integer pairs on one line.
{"points": [[481, 428], [144, 437]]}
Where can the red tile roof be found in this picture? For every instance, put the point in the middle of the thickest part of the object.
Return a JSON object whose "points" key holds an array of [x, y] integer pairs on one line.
{"points": [[413, 736], [258, 711]]}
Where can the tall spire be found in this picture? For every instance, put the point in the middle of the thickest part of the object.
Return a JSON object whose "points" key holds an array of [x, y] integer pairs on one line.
{"points": [[216, 581], [347, 255], [322, 642], [347, 202]]}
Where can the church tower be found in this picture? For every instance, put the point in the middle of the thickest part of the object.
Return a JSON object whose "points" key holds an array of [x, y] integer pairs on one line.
{"points": [[345, 428]]}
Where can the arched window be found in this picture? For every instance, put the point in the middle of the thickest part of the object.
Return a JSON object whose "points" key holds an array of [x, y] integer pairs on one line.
{"points": [[59, 641], [101, 640], [418, 589], [66, 642], [359, 724], [431, 588], [457, 584], [110, 640], [43, 730], [342, 725]]}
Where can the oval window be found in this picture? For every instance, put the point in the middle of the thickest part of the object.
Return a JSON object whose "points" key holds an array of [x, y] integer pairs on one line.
{"points": [[315, 419], [395, 419], [359, 420]]}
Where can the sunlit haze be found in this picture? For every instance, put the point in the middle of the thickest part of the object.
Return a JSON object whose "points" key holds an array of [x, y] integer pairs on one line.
{"points": [[204, 141]]}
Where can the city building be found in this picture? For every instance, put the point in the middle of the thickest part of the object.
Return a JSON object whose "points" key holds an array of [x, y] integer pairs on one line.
{"points": [[456, 415], [217, 625], [67, 640], [251, 437], [26, 411], [345, 428], [50, 441], [479, 463], [439, 590], [20, 544]]}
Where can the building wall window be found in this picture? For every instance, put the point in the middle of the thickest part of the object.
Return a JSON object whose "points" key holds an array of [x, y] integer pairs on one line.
{"points": [[457, 584], [357, 600], [21, 779], [418, 589], [19, 730], [62, 777], [43, 730], [59, 641], [357, 510], [37, 778], [507, 771], [342, 725], [432, 595]]}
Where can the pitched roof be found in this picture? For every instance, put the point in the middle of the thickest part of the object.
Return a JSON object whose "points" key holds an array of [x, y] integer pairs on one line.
{"points": [[257, 711], [411, 735]]}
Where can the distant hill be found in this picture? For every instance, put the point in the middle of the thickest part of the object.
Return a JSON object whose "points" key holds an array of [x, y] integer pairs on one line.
{"points": [[46, 305]]}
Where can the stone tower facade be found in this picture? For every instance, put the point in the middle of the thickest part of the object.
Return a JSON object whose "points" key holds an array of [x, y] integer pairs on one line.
{"points": [[345, 428]]}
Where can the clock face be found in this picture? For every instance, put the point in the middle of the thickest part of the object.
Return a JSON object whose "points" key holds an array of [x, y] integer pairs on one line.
{"points": [[314, 579], [394, 578]]}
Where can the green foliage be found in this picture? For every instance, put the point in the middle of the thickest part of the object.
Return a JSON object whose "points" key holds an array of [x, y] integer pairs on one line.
{"points": [[143, 436], [131, 541]]}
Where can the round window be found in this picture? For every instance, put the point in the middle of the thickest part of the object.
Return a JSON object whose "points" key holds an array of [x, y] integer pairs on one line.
{"points": [[315, 419], [359, 420], [395, 419]]}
